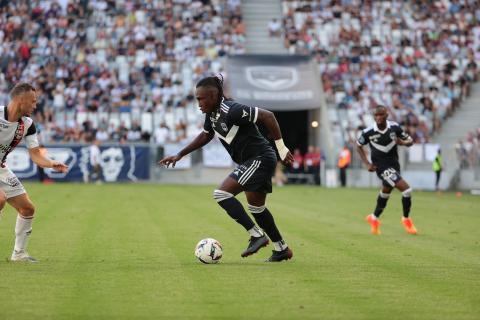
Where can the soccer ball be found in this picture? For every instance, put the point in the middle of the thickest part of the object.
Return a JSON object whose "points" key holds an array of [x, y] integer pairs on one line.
{"points": [[208, 250]]}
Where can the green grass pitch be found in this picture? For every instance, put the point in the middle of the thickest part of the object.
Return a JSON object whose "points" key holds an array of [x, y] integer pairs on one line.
{"points": [[126, 252]]}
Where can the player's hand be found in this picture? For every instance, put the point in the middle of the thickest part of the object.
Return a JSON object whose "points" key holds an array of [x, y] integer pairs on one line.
{"points": [[167, 161], [288, 159], [60, 167], [372, 167]]}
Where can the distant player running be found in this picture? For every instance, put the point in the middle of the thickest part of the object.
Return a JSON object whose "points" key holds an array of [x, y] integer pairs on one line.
{"points": [[235, 125], [383, 138], [15, 124]]}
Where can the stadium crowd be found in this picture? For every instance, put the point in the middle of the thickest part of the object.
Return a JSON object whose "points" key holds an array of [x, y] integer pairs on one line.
{"points": [[418, 58], [100, 65]]}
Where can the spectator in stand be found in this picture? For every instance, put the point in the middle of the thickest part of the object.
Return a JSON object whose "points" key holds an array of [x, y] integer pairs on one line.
{"points": [[296, 167], [274, 28], [311, 163]]}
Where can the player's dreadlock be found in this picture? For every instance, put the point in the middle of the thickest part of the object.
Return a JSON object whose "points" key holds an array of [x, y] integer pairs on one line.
{"points": [[213, 82]]}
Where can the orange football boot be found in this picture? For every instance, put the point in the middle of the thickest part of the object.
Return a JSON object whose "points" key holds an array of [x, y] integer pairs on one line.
{"points": [[374, 223], [408, 224]]}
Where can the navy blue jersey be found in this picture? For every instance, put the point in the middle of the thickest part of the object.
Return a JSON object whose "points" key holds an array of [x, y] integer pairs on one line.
{"points": [[234, 124], [383, 143]]}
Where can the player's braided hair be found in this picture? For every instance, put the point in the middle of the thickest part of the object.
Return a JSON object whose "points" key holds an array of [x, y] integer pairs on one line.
{"points": [[213, 82]]}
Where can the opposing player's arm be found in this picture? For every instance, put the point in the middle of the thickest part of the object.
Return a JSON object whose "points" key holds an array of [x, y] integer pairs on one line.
{"points": [[268, 119], [35, 154], [45, 162], [202, 139]]}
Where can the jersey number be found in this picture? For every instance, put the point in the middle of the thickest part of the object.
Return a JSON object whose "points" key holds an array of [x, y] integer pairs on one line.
{"points": [[390, 174]]}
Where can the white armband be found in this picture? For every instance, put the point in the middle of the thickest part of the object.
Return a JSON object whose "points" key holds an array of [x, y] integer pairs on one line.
{"points": [[282, 149]]}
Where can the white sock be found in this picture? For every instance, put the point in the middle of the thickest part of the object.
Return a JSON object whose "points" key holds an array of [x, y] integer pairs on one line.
{"points": [[255, 232], [23, 228], [374, 217], [280, 245]]}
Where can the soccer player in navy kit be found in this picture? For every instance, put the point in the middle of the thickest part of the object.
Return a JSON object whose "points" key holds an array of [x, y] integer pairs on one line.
{"points": [[383, 138], [15, 125], [235, 125]]}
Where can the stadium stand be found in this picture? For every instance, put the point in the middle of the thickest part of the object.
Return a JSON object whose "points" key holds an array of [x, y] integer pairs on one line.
{"points": [[417, 58], [118, 70]]}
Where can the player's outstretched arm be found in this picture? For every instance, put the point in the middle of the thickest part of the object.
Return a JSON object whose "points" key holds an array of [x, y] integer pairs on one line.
{"points": [[45, 162], [268, 119], [202, 139]]}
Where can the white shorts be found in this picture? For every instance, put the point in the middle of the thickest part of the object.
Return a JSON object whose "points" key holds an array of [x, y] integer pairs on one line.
{"points": [[10, 183]]}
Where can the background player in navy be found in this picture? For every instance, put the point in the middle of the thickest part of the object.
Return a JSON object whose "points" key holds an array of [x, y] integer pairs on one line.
{"points": [[16, 124], [383, 138], [235, 125]]}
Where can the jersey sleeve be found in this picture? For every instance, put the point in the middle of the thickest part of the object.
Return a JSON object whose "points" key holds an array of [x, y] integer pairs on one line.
{"points": [[207, 125], [362, 139], [240, 114], [31, 137], [401, 134]]}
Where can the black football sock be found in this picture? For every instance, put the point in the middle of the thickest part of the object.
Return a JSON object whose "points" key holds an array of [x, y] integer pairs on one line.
{"points": [[382, 200], [265, 220], [406, 202], [234, 208]]}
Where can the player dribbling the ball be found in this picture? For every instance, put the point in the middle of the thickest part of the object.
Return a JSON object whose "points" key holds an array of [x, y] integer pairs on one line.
{"points": [[235, 125]]}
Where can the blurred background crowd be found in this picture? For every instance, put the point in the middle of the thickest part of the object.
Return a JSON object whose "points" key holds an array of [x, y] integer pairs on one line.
{"points": [[116, 70]]}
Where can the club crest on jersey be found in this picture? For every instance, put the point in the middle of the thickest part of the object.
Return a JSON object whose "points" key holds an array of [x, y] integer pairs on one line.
{"points": [[392, 135], [224, 126]]}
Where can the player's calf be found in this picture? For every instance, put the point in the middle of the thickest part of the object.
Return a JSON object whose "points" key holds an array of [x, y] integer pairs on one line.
{"points": [[234, 208]]}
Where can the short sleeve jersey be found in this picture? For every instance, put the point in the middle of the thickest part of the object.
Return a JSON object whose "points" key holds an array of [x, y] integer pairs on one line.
{"points": [[234, 124], [11, 133], [383, 143]]}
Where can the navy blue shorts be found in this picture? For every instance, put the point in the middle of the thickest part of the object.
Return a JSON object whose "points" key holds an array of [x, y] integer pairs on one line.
{"points": [[256, 174], [390, 176]]}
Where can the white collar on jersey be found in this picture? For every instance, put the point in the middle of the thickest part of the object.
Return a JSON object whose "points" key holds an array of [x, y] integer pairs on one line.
{"points": [[375, 127]]}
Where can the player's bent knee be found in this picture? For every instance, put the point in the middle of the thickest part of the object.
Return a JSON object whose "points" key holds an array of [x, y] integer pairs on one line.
{"points": [[255, 209], [27, 211], [407, 193], [384, 195], [220, 195]]}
